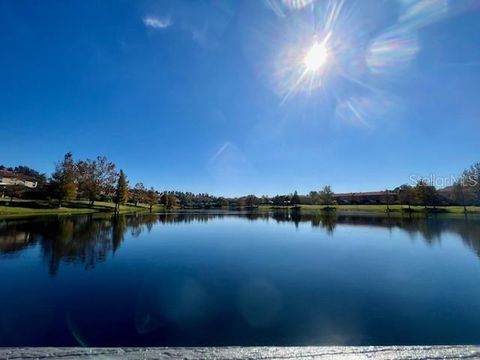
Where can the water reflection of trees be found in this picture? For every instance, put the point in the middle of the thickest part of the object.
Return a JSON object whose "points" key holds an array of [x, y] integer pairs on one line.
{"points": [[87, 240], [91, 239], [430, 229]]}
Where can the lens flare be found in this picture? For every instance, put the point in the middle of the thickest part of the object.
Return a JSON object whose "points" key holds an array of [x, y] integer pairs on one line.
{"points": [[296, 4], [335, 53], [392, 52], [362, 110], [420, 13]]}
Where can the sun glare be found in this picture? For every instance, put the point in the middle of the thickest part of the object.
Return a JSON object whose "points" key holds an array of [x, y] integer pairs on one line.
{"points": [[316, 57], [307, 67]]}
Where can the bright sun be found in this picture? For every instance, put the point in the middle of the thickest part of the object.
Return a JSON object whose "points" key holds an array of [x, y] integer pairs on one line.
{"points": [[316, 57]]}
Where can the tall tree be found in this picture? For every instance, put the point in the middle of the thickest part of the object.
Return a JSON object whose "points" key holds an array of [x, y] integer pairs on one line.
{"points": [[169, 200], [139, 194], [152, 198], [121, 192], [326, 196], [295, 198], [387, 199], [252, 201], [96, 177], [459, 194], [314, 196], [426, 194], [64, 180], [406, 195], [471, 180]]}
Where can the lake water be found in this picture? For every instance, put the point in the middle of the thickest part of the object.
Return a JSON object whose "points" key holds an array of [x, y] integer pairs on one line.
{"points": [[239, 279]]}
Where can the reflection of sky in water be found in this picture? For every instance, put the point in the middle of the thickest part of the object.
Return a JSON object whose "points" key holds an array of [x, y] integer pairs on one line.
{"points": [[258, 279]]}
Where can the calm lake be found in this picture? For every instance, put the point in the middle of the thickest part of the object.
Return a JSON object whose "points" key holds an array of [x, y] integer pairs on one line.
{"points": [[239, 279]]}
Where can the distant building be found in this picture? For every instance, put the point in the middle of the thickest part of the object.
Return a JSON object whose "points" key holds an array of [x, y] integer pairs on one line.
{"points": [[10, 178]]}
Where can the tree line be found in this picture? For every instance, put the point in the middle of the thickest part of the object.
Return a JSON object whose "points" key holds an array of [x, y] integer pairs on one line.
{"points": [[90, 179], [99, 179]]}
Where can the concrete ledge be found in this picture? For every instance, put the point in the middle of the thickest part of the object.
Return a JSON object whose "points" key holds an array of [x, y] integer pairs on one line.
{"points": [[309, 352]]}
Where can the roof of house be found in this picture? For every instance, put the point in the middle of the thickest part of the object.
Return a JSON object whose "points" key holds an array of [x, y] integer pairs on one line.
{"points": [[370, 193], [14, 175]]}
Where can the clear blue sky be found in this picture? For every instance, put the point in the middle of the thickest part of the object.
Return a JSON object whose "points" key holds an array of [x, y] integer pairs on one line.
{"points": [[208, 96]]}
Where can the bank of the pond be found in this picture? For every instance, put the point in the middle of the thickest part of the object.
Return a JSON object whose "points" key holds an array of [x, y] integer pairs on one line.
{"points": [[20, 208], [393, 208]]}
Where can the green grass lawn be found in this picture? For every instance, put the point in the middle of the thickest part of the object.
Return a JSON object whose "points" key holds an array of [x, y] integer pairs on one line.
{"points": [[383, 208], [41, 207]]}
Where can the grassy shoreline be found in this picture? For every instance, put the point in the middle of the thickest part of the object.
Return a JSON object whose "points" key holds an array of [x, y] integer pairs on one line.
{"points": [[395, 208], [25, 208]]}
